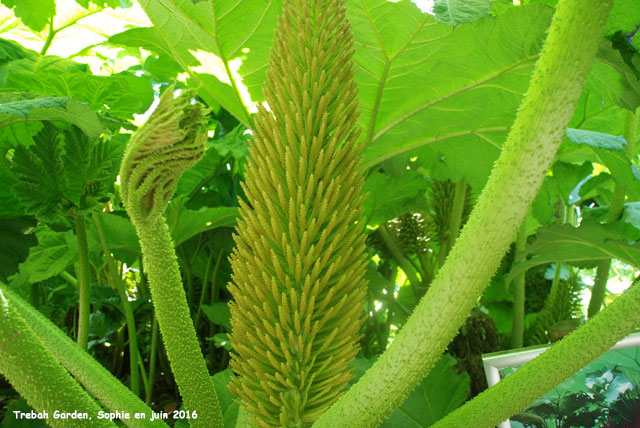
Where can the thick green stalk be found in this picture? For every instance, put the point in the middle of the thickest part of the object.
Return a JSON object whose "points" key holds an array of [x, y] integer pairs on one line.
{"points": [[69, 278], [631, 132], [152, 360], [615, 210], [599, 288], [143, 371], [517, 333], [91, 374], [50, 35], [36, 374], [396, 252], [178, 334], [205, 283], [170, 142], [562, 360], [117, 282], [84, 274], [556, 84], [456, 212]]}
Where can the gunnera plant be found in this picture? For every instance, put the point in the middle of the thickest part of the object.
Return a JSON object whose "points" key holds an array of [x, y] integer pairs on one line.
{"points": [[298, 266]]}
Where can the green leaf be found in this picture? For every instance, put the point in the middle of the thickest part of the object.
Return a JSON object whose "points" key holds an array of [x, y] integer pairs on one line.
{"points": [[228, 405], [39, 171], [502, 315], [90, 168], [234, 144], [120, 235], [567, 176], [454, 12], [593, 114], [64, 170], [101, 326], [120, 95], [208, 182], [590, 241], [35, 14], [219, 314], [9, 204], [496, 292], [624, 17], [11, 51], [461, 120], [55, 252], [605, 149], [611, 79], [184, 223], [597, 139], [221, 340], [16, 244], [436, 396], [16, 107], [631, 214], [390, 197], [542, 208], [223, 45]]}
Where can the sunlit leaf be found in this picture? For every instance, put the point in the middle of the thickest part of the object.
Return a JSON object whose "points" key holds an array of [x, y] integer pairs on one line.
{"points": [[454, 12], [120, 95], [35, 14], [459, 118], [223, 45]]}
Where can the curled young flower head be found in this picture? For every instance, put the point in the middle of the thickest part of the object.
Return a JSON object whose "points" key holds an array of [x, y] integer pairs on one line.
{"points": [[170, 142]]}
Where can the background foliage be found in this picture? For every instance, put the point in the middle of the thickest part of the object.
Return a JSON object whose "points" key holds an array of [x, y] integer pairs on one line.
{"points": [[438, 94]]}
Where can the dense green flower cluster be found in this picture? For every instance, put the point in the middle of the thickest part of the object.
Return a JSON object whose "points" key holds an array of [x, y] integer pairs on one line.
{"points": [[299, 263]]}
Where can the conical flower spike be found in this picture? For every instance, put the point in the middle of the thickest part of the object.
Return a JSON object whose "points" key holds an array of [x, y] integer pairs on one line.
{"points": [[298, 267]]}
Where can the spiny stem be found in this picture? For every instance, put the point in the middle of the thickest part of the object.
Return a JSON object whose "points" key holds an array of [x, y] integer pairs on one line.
{"points": [[615, 210], [529, 151], [118, 284], [152, 360], [457, 211], [562, 360], [84, 273], [517, 333], [97, 380], [36, 375], [178, 334], [170, 142]]}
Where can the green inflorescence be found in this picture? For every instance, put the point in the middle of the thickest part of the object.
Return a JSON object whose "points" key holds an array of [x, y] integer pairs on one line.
{"points": [[298, 269], [441, 197], [170, 142]]}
